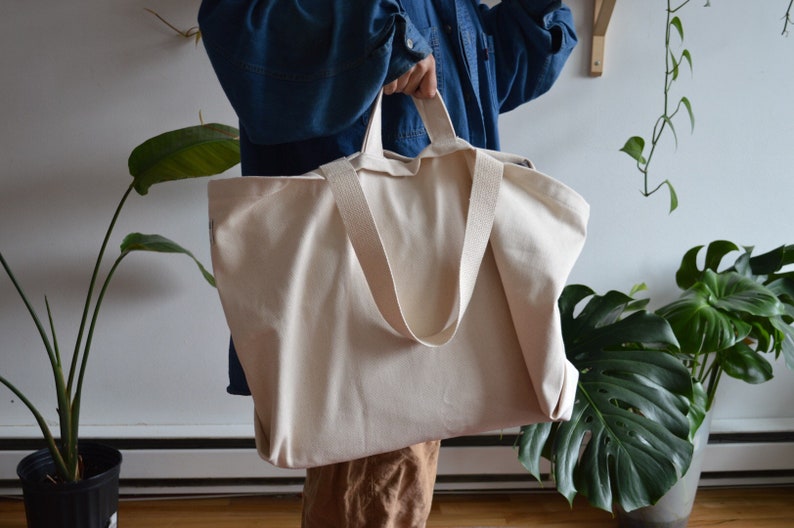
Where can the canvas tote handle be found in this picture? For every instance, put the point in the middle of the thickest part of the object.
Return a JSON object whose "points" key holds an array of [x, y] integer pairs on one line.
{"points": [[368, 244], [434, 116]]}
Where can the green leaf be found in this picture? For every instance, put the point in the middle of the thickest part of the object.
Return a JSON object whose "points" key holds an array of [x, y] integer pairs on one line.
{"points": [[676, 23], [783, 288], [673, 196], [772, 261], [637, 428], [634, 147], [686, 56], [742, 362], [202, 150], [688, 272], [698, 409], [669, 122], [707, 316], [160, 244], [786, 340], [630, 415], [715, 253], [685, 101], [675, 66], [531, 444]]}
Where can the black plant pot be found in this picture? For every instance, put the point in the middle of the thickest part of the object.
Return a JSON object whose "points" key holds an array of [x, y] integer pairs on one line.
{"points": [[90, 503]]}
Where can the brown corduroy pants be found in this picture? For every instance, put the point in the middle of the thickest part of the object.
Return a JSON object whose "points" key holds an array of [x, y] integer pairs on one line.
{"points": [[392, 490]]}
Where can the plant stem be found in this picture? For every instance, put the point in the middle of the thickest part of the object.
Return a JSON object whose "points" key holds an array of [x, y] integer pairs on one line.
{"points": [[70, 413], [89, 296], [787, 19], [42, 423], [75, 418]]}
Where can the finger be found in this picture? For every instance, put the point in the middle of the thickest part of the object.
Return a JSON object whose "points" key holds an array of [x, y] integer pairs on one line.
{"points": [[425, 85], [389, 89], [413, 81], [428, 86]]}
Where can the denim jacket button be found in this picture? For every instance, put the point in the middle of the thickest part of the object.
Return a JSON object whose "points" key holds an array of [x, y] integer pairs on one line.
{"points": [[409, 43]]}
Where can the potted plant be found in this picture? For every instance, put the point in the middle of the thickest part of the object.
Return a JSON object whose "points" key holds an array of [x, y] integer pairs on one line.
{"points": [[627, 441], [726, 321], [68, 467]]}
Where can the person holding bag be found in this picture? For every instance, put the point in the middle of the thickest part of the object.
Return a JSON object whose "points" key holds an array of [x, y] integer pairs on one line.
{"points": [[302, 76]]}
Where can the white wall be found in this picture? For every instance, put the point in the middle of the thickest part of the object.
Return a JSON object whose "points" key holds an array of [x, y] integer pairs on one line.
{"points": [[84, 81]]}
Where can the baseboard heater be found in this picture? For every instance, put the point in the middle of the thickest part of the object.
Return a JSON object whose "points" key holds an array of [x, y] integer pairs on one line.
{"points": [[483, 463]]}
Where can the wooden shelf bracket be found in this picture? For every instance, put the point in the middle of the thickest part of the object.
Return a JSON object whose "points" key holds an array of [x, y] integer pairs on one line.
{"points": [[601, 16]]}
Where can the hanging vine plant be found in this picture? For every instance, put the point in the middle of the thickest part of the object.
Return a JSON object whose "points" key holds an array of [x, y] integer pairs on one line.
{"points": [[636, 145], [675, 55]]}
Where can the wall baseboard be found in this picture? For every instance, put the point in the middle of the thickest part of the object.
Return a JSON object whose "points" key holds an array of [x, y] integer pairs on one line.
{"points": [[190, 466]]}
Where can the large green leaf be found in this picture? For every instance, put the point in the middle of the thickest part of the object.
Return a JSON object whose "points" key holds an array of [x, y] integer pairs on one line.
{"points": [[707, 316], [630, 420], [160, 244], [196, 151]]}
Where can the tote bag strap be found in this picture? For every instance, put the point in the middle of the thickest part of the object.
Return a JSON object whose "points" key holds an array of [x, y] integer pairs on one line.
{"points": [[368, 244], [434, 115]]}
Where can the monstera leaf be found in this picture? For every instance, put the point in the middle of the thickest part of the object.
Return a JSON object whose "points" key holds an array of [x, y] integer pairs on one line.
{"points": [[712, 314], [726, 320], [628, 439]]}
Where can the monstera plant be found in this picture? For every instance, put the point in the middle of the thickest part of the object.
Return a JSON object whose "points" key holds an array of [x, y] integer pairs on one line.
{"points": [[627, 441], [647, 379]]}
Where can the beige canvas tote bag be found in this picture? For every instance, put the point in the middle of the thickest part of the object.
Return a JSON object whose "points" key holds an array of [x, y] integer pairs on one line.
{"points": [[382, 301]]}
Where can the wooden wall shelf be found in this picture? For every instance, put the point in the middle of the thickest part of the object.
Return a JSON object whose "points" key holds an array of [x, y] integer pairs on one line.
{"points": [[602, 13]]}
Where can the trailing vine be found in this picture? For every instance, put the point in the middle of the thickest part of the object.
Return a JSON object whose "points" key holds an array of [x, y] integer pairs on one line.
{"points": [[635, 146]]}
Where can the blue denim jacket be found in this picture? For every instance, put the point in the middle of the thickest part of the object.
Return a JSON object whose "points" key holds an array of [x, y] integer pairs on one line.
{"points": [[302, 74]]}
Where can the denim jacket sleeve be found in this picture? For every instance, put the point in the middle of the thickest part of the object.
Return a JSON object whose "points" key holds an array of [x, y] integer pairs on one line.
{"points": [[532, 39], [297, 69]]}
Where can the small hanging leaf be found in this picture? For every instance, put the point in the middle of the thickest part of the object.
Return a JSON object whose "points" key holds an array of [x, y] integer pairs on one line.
{"points": [[676, 23], [160, 244], [686, 56], [688, 105], [673, 196], [634, 147], [669, 121]]}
